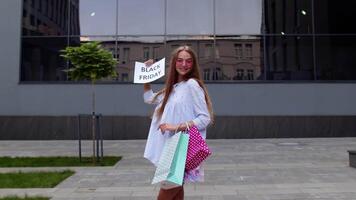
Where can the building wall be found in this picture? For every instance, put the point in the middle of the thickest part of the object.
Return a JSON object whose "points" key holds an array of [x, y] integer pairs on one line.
{"points": [[311, 109]]}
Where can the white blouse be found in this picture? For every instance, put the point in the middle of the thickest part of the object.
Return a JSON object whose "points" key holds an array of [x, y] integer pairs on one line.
{"points": [[185, 103]]}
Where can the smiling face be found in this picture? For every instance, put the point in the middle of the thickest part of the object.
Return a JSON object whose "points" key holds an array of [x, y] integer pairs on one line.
{"points": [[184, 64]]}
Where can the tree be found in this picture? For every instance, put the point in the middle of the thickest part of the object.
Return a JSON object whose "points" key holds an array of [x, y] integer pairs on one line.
{"points": [[90, 62]]}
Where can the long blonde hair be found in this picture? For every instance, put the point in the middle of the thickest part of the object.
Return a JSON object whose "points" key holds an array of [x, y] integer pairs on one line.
{"points": [[173, 79]]}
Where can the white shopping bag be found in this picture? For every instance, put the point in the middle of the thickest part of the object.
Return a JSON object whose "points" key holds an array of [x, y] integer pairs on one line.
{"points": [[170, 168]]}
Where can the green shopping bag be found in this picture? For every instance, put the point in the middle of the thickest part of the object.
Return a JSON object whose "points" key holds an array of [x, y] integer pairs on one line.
{"points": [[170, 168]]}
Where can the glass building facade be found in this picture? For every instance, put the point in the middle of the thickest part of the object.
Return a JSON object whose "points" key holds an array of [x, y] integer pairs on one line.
{"points": [[235, 40]]}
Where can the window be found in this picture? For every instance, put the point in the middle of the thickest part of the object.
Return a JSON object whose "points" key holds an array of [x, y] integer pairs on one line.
{"points": [[238, 51], [156, 53], [248, 51], [124, 77], [118, 53], [45, 7], [50, 9], [206, 74], [146, 53], [39, 6], [208, 50], [217, 54], [126, 55], [250, 74], [24, 13], [112, 50], [239, 74], [32, 20], [217, 75]]}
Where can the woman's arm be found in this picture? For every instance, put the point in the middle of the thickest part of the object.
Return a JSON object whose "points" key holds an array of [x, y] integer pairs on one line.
{"points": [[202, 119], [147, 86], [175, 127], [148, 95]]}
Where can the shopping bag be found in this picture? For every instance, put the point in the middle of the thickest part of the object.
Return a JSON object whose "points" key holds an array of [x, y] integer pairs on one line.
{"points": [[170, 168], [198, 150]]}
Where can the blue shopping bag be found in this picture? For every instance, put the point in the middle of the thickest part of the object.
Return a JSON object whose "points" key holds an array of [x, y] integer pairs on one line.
{"points": [[170, 169]]}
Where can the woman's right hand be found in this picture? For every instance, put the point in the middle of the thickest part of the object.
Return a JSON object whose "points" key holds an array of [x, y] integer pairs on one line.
{"points": [[147, 86], [149, 62]]}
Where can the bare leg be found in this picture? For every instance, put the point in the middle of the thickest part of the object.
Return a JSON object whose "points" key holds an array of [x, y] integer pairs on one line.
{"points": [[171, 194], [180, 195]]}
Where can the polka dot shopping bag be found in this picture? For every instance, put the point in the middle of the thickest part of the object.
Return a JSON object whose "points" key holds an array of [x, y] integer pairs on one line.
{"points": [[198, 150]]}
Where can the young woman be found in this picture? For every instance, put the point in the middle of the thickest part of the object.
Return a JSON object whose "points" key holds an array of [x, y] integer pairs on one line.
{"points": [[184, 101]]}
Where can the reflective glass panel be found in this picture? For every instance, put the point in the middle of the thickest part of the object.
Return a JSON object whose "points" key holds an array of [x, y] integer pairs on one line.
{"points": [[141, 17], [204, 49], [234, 17], [335, 16], [235, 40], [239, 58], [93, 17], [107, 42], [131, 49], [289, 58], [190, 17], [44, 17], [288, 17], [41, 60], [336, 57]]}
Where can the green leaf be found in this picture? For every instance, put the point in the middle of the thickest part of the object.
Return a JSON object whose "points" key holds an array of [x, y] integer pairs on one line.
{"points": [[90, 62]]}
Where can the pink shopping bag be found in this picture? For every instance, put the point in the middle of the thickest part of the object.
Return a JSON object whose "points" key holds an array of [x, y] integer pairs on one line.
{"points": [[198, 150]]}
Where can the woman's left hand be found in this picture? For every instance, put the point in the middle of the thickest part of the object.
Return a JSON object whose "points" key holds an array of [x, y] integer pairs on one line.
{"points": [[167, 127]]}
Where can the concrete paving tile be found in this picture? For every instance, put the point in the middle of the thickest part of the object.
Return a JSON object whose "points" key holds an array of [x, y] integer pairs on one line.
{"points": [[24, 192], [257, 169]]}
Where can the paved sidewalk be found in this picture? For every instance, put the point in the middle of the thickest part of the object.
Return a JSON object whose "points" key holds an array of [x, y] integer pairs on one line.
{"points": [[255, 169]]}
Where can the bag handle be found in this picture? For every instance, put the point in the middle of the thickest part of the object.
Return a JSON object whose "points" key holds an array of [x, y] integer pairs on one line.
{"points": [[176, 130], [187, 125]]}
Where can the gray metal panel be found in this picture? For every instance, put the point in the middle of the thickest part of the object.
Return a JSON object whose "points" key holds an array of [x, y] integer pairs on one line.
{"points": [[228, 99], [136, 127], [10, 23]]}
